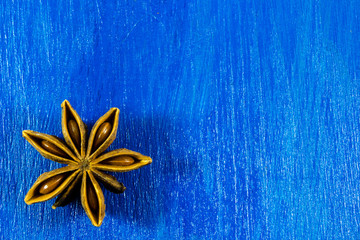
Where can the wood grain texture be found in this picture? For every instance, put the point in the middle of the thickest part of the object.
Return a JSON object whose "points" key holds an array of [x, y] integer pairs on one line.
{"points": [[249, 109]]}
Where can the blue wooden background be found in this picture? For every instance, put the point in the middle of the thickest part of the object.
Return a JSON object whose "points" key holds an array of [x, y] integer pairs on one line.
{"points": [[249, 109]]}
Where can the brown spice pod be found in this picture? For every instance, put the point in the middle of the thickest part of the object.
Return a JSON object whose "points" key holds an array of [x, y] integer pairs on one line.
{"points": [[37, 139], [109, 182], [84, 169], [112, 118], [74, 129], [34, 196], [92, 199], [139, 161]]}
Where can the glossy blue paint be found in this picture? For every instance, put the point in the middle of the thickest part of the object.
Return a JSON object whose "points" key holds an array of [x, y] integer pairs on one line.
{"points": [[249, 109]]}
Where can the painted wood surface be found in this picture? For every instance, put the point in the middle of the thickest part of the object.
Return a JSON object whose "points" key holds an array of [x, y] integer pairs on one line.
{"points": [[249, 109]]}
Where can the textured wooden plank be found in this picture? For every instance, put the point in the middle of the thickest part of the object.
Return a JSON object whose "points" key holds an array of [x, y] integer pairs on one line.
{"points": [[250, 110]]}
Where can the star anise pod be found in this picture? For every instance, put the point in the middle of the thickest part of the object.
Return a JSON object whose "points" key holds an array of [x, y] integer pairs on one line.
{"points": [[85, 165]]}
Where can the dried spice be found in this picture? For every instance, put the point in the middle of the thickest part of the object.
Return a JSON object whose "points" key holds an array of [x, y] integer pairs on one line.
{"points": [[85, 165]]}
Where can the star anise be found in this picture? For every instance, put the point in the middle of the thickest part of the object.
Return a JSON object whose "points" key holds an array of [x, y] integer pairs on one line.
{"points": [[84, 162]]}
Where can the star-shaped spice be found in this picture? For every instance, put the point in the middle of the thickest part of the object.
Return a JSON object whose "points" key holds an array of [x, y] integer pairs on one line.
{"points": [[84, 163]]}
